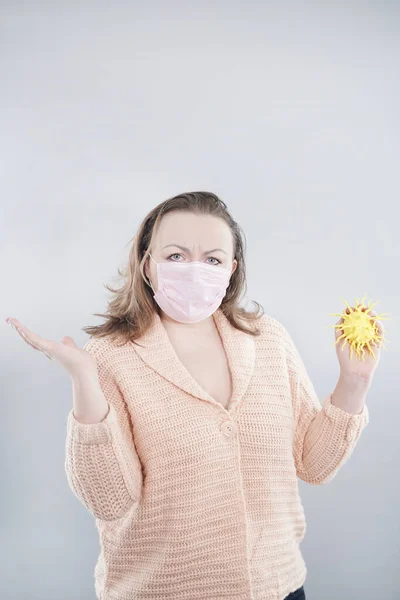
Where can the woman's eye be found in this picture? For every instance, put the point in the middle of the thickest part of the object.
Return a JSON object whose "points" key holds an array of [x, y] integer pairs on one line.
{"points": [[217, 262], [173, 256]]}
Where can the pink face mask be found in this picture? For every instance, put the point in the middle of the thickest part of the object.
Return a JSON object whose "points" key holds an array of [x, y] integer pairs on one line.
{"points": [[190, 292]]}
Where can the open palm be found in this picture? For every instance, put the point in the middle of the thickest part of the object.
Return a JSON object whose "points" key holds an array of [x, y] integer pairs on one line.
{"points": [[71, 357]]}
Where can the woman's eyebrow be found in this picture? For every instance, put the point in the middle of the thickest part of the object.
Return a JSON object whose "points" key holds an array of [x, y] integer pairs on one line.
{"points": [[215, 250], [188, 250], [176, 246]]}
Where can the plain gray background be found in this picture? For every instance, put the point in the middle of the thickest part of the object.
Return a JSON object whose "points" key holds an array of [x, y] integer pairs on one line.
{"points": [[288, 111]]}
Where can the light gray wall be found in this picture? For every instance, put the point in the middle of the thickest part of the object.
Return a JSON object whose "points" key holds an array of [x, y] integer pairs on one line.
{"points": [[291, 113]]}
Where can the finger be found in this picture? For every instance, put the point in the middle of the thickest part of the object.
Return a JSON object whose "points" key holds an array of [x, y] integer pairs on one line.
{"points": [[24, 337], [339, 332], [380, 328], [31, 338], [378, 323], [22, 332], [33, 345]]}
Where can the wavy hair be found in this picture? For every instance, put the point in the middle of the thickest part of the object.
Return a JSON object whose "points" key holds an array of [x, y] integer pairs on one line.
{"points": [[131, 310]]}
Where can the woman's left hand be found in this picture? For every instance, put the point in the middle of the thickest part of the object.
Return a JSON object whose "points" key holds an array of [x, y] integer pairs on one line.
{"points": [[357, 367]]}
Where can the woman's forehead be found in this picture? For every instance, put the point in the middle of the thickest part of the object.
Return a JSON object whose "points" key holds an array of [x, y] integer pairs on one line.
{"points": [[189, 229]]}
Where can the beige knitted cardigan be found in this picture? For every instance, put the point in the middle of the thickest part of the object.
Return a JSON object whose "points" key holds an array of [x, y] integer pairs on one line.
{"points": [[194, 501]]}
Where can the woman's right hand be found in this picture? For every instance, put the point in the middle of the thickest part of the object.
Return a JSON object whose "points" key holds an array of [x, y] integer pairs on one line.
{"points": [[66, 352]]}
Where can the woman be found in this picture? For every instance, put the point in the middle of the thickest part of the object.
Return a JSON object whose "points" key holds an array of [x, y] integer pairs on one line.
{"points": [[193, 418]]}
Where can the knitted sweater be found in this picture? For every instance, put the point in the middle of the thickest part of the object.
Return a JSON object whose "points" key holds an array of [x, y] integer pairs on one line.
{"points": [[194, 501]]}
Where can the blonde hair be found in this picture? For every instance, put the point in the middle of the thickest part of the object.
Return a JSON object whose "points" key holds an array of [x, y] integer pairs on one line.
{"points": [[131, 311]]}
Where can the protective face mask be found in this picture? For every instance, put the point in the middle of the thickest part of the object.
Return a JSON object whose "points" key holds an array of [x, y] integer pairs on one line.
{"points": [[190, 292]]}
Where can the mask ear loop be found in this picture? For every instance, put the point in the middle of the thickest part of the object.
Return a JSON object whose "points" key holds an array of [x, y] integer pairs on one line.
{"points": [[147, 279]]}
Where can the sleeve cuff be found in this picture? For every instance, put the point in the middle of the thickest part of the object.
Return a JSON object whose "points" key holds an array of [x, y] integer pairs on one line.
{"points": [[352, 424], [93, 433]]}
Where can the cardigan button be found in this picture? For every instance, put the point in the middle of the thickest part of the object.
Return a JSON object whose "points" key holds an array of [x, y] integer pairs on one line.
{"points": [[228, 428], [351, 430]]}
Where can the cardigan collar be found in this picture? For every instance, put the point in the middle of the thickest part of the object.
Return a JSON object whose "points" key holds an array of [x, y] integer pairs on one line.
{"points": [[156, 350]]}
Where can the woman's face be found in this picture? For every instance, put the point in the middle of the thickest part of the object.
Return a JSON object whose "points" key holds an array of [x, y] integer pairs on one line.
{"points": [[188, 237]]}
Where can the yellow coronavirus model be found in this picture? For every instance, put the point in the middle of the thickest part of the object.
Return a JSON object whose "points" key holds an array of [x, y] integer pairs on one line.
{"points": [[360, 328]]}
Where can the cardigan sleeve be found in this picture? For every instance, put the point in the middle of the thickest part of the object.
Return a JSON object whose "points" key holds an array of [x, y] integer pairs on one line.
{"points": [[101, 463], [324, 436]]}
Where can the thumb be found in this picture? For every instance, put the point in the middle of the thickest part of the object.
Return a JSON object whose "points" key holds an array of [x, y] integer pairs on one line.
{"points": [[68, 341]]}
